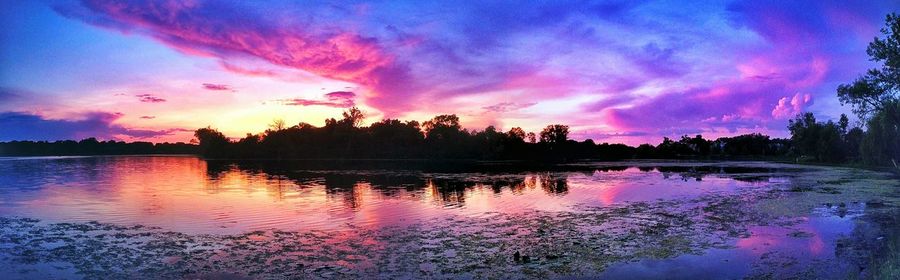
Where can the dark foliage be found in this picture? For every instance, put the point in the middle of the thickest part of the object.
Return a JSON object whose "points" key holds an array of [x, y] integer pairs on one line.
{"points": [[823, 141], [443, 138], [91, 146], [875, 98]]}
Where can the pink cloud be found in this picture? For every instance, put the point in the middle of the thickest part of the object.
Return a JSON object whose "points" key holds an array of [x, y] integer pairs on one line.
{"points": [[149, 98], [338, 99], [188, 27], [507, 106], [249, 72], [789, 108], [396, 71], [729, 105], [340, 95], [219, 87], [679, 78]]}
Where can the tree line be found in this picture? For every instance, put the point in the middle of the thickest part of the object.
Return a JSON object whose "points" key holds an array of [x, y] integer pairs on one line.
{"points": [[91, 146], [443, 137], [874, 98]]}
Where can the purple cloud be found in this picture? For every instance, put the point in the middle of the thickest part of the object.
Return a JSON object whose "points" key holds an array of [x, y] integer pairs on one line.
{"points": [[216, 86], [598, 135], [191, 29], [742, 104], [649, 67], [507, 106], [396, 59], [25, 126], [338, 99], [340, 95], [149, 98], [7, 94]]}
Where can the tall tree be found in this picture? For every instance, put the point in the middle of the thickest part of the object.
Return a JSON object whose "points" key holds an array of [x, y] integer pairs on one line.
{"points": [[879, 87], [875, 97]]}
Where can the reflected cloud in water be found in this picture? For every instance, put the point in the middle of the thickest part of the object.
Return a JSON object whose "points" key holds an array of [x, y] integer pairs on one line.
{"points": [[192, 195]]}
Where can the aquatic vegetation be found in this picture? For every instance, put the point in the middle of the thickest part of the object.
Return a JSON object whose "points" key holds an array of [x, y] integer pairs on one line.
{"points": [[584, 240]]}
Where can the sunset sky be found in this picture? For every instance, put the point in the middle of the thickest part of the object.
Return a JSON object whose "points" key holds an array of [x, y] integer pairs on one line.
{"points": [[615, 71]]}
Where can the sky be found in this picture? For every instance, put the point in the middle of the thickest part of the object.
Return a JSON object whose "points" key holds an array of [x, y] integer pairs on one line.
{"points": [[614, 71]]}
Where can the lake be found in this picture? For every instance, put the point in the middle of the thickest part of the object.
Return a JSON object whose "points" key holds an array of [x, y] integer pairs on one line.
{"points": [[172, 216]]}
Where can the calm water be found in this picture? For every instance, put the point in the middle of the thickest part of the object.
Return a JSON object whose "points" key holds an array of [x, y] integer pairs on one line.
{"points": [[191, 195], [637, 220]]}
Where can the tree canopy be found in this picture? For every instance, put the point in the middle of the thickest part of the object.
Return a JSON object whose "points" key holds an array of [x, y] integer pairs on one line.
{"points": [[878, 88], [875, 98]]}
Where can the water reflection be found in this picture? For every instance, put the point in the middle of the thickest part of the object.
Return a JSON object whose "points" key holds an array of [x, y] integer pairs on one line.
{"points": [[193, 195], [809, 246], [343, 216]]}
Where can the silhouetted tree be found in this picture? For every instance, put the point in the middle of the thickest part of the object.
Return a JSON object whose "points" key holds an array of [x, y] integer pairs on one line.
{"points": [[645, 151], [804, 134], [516, 133], [881, 143], [443, 137], [852, 143], [277, 125], [395, 139], [450, 122], [697, 145], [879, 88], [354, 116], [212, 142], [875, 97], [671, 149], [555, 134], [531, 137], [92, 146], [823, 141], [491, 143]]}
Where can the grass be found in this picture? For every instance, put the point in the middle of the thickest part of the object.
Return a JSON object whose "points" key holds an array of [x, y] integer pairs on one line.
{"points": [[886, 265], [888, 268]]}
